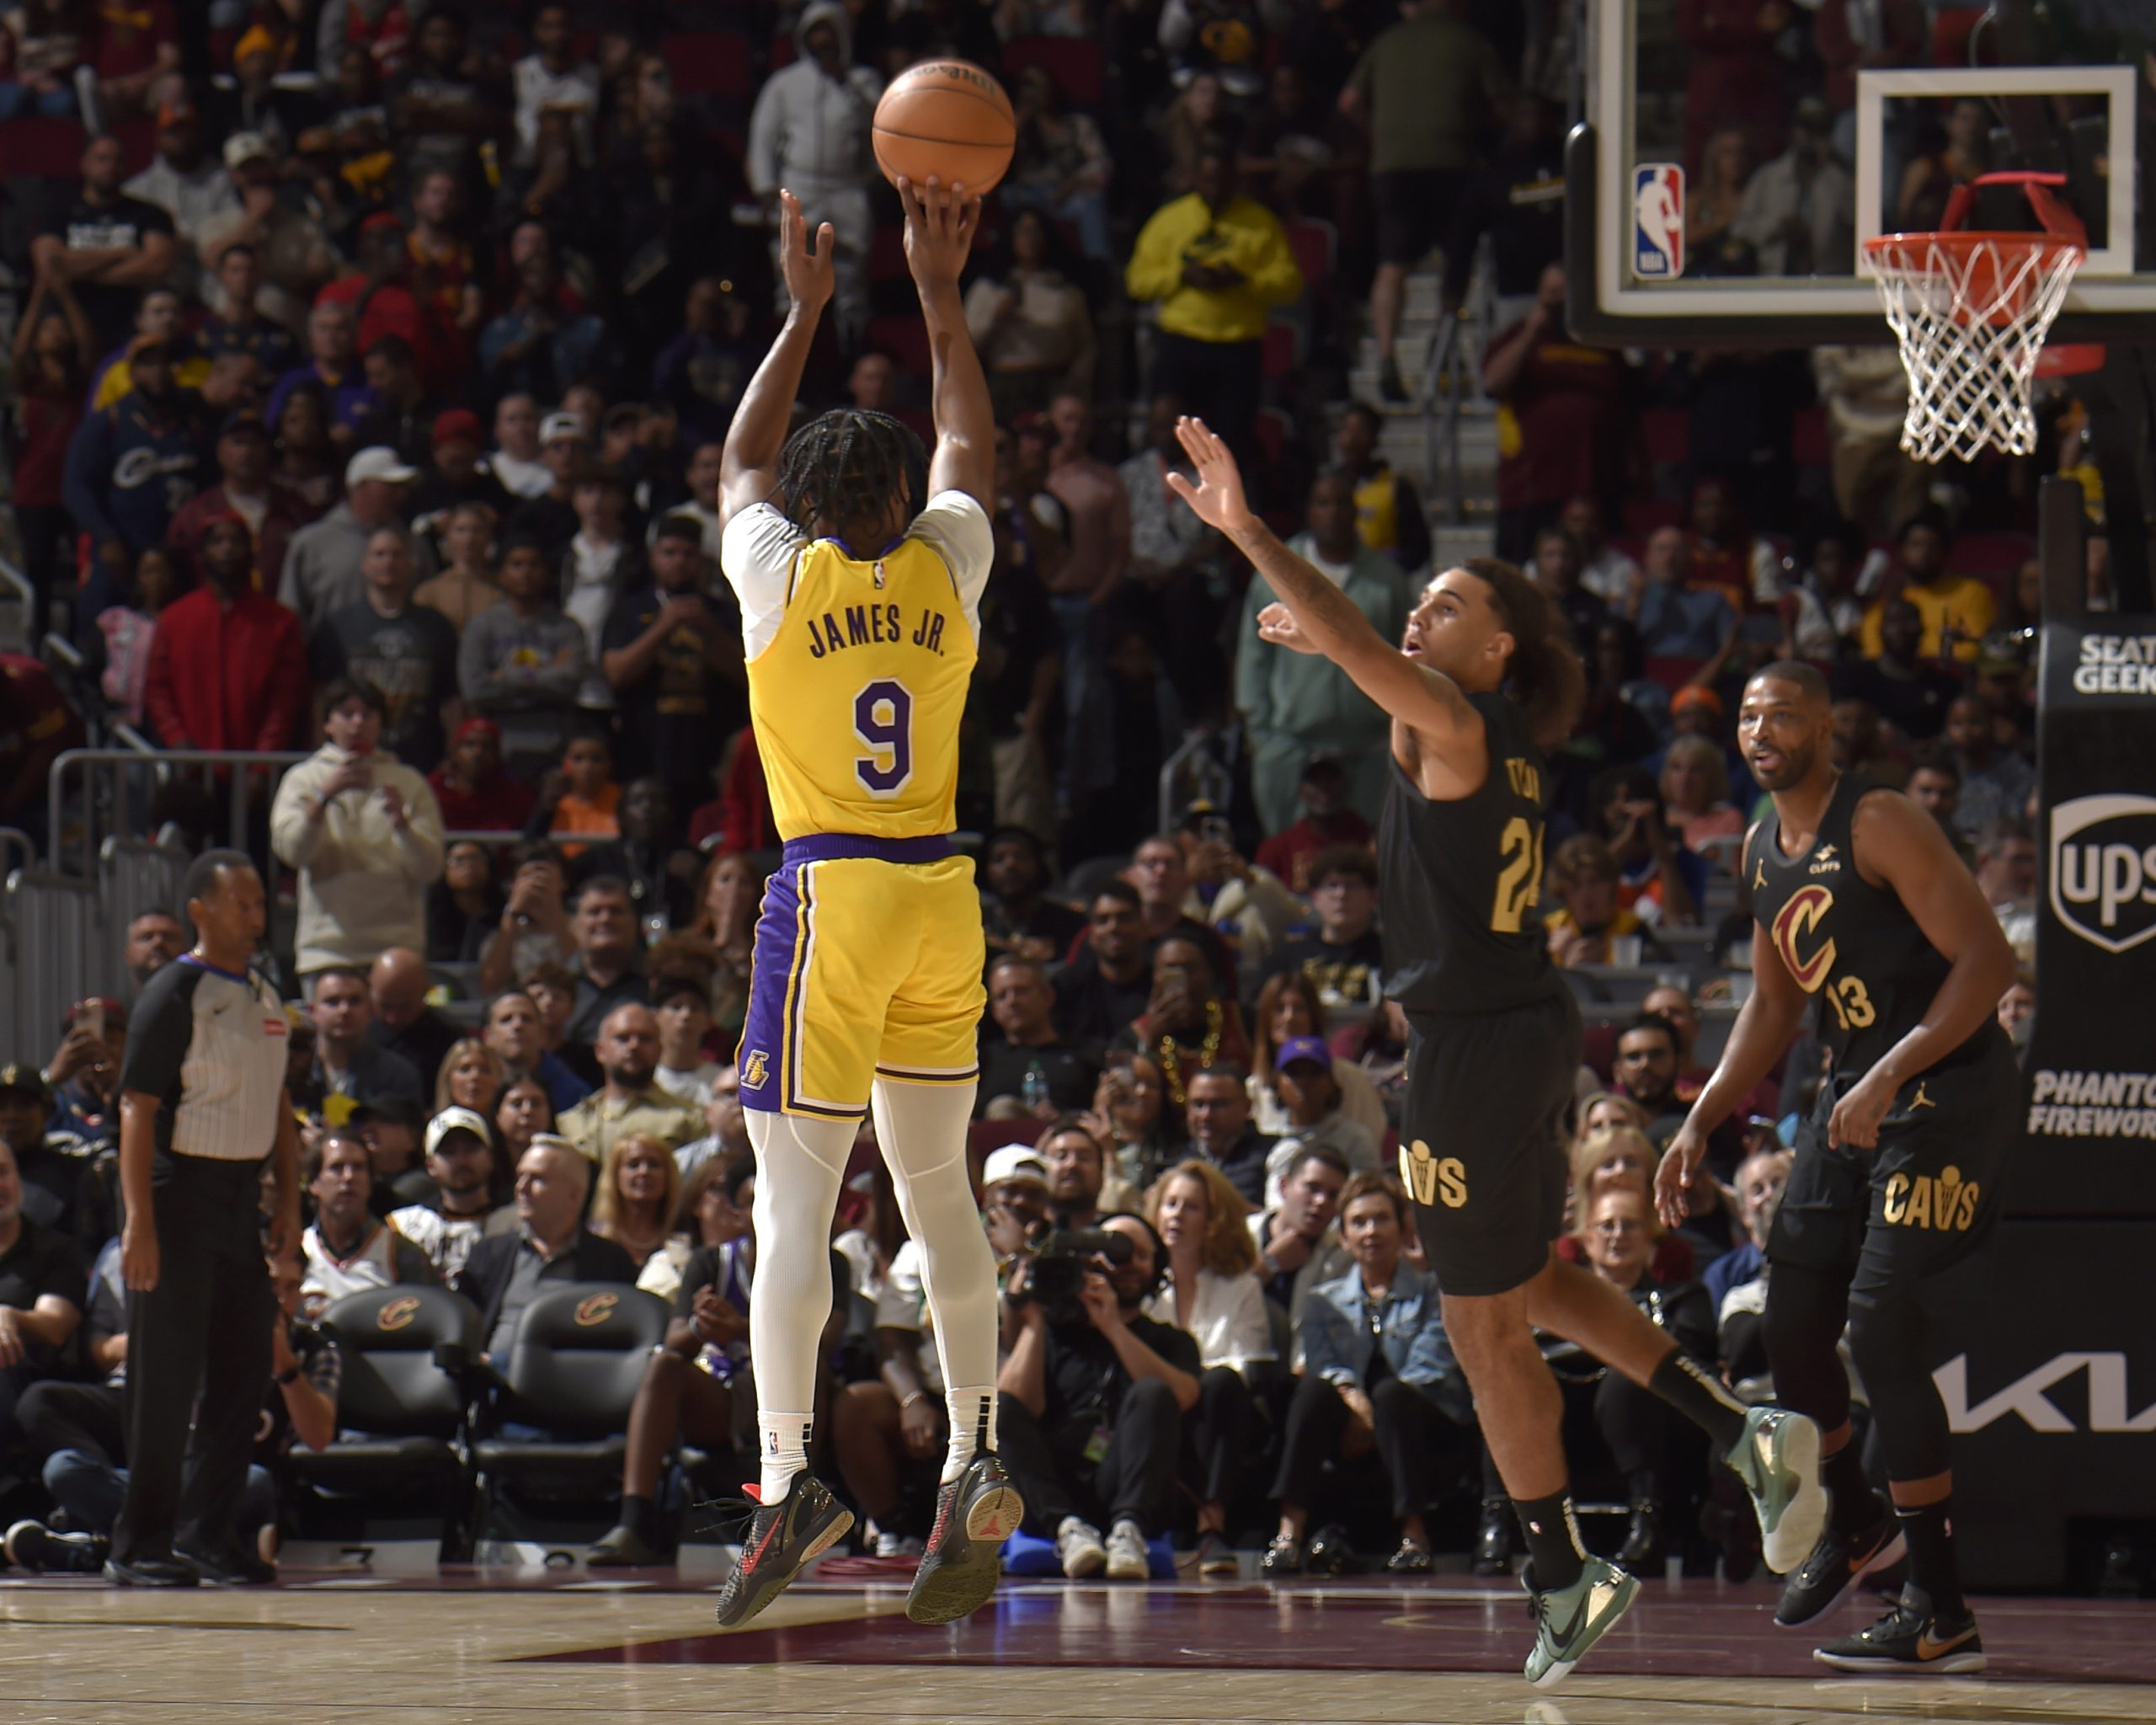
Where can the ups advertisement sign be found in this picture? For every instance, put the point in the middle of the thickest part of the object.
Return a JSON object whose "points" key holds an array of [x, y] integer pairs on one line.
{"points": [[2090, 1148]]}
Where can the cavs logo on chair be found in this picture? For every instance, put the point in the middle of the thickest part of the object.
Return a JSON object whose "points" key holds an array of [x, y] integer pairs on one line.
{"points": [[755, 1068], [596, 1310], [397, 1314], [1807, 909], [1430, 1180]]}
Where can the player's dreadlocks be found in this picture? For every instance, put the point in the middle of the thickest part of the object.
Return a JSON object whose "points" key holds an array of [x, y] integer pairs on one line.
{"points": [[845, 467]]}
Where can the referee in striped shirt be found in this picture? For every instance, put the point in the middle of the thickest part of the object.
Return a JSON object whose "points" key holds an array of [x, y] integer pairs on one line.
{"points": [[202, 1103]]}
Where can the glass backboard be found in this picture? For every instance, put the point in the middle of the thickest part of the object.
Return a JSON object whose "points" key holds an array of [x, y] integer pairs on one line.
{"points": [[1735, 154]]}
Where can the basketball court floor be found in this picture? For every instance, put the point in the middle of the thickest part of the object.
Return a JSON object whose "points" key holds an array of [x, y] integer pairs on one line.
{"points": [[466, 1648]]}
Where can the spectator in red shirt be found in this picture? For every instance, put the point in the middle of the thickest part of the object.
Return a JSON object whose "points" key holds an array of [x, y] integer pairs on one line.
{"points": [[380, 293], [1734, 77], [1327, 820], [1561, 426], [476, 793], [243, 489], [228, 668], [740, 818], [37, 726]]}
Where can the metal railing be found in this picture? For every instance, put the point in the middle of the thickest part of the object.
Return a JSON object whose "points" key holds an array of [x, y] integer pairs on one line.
{"points": [[15, 586], [111, 782], [1454, 378]]}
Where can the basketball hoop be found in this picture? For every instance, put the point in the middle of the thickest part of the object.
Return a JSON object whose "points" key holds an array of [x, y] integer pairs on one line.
{"points": [[1969, 310]]}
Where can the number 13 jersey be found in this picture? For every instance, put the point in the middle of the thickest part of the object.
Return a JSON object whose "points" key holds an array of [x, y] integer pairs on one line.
{"points": [[1852, 947], [1460, 882], [858, 667]]}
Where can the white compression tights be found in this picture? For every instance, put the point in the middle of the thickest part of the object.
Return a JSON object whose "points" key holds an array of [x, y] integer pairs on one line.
{"points": [[922, 1130], [800, 1163]]}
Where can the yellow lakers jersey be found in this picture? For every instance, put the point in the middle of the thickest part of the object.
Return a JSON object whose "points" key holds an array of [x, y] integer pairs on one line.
{"points": [[858, 667]]}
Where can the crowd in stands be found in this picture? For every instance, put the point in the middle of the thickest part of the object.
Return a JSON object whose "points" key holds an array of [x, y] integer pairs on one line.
{"points": [[369, 364]]}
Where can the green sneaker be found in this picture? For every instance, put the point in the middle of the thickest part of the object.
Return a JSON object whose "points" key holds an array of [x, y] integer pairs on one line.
{"points": [[1778, 1459], [1572, 1619]]}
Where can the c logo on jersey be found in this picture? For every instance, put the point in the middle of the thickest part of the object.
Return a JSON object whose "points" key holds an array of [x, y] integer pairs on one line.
{"points": [[397, 1315], [1942, 1203], [1430, 1180], [1807, 909], [755, 1069], [596, 1310]]}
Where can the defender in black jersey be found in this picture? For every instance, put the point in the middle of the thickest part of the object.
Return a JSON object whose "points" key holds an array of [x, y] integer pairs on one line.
{"points": [[1865, 914], [1486, 679]]}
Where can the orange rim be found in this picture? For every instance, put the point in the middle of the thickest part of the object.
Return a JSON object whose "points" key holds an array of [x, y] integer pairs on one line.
{"points": [[1980, 255]]}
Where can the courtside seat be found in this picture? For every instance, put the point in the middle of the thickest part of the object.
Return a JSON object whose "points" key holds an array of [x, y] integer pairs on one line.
{"points": [[402, 1432], [558, 1417]]}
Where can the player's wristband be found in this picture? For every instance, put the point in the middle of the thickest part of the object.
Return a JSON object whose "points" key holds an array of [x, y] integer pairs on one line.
{"points": [[917, 1396]]}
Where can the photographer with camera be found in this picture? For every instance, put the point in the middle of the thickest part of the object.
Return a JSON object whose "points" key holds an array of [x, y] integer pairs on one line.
{"points": [[1093, 1395]]}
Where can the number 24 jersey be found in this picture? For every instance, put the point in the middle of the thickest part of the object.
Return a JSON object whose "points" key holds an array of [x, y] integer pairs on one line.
{"points": [[858, 667]]}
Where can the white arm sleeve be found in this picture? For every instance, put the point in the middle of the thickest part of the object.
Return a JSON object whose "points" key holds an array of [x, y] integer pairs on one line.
{"points": [[757, 552], [956, 526]]}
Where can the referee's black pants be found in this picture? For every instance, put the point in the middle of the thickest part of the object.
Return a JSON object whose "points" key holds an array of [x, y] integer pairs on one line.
{"points": [[198, 1344]]}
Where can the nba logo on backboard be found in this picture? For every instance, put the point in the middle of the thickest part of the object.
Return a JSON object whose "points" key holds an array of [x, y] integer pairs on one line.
{"points": [[1658, 221]]}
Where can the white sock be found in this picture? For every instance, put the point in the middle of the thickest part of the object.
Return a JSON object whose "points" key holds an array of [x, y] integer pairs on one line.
{"points": [[799, 1163], [921, 1129], [783, 1443]]}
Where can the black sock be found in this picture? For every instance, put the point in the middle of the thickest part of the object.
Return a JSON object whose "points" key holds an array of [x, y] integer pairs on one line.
{"points": [[637, 1516], [1553, 1539], [1854, 1504], [1932, 1567], [1700, 1399]]}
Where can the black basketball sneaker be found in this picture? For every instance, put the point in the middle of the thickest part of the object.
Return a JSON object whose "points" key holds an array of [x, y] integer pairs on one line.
{"points": [[783, 1539], [1912, 1637], [1838, 1559], [974, 1514]]}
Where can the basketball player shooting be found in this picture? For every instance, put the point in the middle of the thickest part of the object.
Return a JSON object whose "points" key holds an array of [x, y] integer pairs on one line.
{"points": [[1862, 905], [1484, 681], [860, 577]]}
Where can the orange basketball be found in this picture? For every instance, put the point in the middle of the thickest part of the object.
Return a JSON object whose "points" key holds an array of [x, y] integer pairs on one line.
{"points": [[946, 118]]}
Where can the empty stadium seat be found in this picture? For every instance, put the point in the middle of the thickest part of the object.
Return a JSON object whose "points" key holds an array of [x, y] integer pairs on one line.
{"points": [[33, 148], [401, 1415], [1074, 63], [1315, 244], [574, 1370], [710, 63]]}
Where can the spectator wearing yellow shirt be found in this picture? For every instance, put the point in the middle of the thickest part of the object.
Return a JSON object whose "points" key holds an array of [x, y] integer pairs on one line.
{"points": [[1215, 263], [1584, 929], [1961, 604]]}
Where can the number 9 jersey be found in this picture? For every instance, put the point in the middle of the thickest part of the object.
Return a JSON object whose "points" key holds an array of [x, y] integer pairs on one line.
{"points": [[858, 668]]}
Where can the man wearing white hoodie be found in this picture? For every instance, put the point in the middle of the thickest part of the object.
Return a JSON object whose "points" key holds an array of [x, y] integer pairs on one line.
{"points": [[808, 132], [365, 833]]}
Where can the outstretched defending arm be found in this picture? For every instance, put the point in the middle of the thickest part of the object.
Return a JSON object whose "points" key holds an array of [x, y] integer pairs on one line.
{"points": [[940, 224], [1317, 617], [748, 472]]}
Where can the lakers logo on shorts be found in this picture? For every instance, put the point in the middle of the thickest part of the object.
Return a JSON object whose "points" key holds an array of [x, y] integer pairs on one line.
{"points": [[755, 1068], [1943, 1202], [1430, 1180]]}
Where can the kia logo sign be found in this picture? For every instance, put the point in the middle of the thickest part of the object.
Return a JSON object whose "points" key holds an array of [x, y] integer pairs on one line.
{"points": [[2104, 869], [596, 1310], [397, 1314]]}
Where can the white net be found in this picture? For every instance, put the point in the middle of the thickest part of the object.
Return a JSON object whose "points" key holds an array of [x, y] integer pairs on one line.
{"points": [[1970, 312]]}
